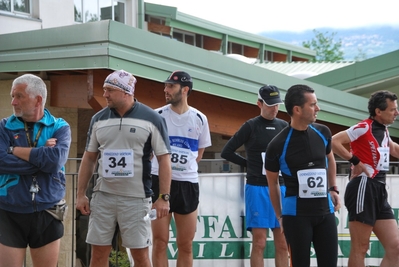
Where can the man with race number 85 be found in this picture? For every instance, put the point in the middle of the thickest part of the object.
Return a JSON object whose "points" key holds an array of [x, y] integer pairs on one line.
{"points": [[189, 136]]}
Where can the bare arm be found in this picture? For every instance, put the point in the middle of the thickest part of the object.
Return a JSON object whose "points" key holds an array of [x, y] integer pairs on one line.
{"points": [[86, 170], [200, 154], [394, 149], [338, 141], [275, 194], [332, 170], [165, 177]]}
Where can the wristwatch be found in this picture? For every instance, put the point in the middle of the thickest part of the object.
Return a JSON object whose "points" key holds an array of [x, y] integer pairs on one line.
{"points": [[334, 188], [10, 150], [165, 197]]}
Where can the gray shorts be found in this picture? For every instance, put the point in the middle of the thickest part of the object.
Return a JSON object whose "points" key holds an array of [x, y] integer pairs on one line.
{"points": [[107, 210]]}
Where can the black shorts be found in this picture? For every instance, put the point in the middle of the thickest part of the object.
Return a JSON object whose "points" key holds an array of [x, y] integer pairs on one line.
{"points": [[367, 201], [184, 196], [36, 229]]}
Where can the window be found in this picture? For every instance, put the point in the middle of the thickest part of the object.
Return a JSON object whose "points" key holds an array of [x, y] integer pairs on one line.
{"points": [[268, 56], [89, 10], [16, 6], [234, 48], [185, 37]]}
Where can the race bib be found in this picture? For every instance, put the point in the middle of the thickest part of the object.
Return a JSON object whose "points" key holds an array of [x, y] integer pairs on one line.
{"points": [[383, 163], [118, 163], [179, 159], [312, 183]]}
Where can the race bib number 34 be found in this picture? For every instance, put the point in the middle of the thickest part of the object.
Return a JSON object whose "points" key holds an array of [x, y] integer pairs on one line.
{"points": [[312, 183], [118, 163]]}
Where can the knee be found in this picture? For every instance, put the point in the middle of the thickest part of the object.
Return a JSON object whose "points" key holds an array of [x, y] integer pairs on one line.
{"points": [[160, 243], [259, 244], [392, 251], [185, 246], [141, 260], [280, 245], [360, 247]]}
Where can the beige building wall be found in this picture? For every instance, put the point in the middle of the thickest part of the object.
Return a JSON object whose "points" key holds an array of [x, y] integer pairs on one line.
{"points": [[67, 257]]}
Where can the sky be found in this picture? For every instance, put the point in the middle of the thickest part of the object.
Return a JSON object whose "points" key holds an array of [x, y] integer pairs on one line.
{"points": [[256, 16]]}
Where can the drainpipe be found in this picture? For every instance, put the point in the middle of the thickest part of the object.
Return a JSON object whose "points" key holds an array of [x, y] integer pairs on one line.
{"points": [[140, 14]]}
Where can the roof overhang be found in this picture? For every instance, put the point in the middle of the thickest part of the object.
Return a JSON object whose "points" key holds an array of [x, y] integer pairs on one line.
{"points": [[365, 77], [112, 45]]}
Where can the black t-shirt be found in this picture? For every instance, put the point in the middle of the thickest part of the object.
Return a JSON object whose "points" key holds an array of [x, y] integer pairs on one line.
{"points": [[291, 151], [255, 134]]}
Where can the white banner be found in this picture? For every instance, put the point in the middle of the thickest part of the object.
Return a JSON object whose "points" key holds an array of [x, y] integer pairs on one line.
{"points": [[221, 239]]}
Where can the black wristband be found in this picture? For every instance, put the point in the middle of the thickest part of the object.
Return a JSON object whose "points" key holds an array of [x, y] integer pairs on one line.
{"points": [[354, 160], [334, 188]]}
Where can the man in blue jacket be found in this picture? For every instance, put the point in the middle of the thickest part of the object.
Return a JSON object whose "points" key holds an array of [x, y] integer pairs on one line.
{"points": [[34, 147]]}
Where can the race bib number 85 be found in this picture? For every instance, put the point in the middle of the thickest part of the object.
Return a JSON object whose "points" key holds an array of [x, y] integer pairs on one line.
{"points": [[118, 163]]}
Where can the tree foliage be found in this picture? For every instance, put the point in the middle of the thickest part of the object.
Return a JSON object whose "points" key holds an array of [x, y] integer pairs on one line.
{"points": [[361, 55], [327, 49]]}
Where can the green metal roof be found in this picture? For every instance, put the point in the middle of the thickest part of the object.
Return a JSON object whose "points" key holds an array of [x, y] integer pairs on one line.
{"points": [[365, 77], [183, 21], [112, 45]]}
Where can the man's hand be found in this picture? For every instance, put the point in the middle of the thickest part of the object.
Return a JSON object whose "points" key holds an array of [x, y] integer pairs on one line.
{"points": [[82, 204], [358, 169], [336, 200], [162, 208], [51, 142]]}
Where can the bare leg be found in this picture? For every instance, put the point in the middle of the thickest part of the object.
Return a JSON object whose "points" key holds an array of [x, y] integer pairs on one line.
{"points": [[185, 226], [281, 252], [46, 255], [360, 238], [160, 237], [11, 257], [100, 255], [259, 237], [388, 234], [141, 257]]}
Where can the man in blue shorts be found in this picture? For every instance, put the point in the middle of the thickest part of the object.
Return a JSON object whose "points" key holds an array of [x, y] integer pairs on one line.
{"points": [[366, 197], [255, 134], [302, 152], [34, 147], [189, 135], [121, 139]]}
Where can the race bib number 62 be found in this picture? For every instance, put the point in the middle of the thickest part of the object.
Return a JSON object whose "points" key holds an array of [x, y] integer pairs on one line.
{"points": [[312, 183]]}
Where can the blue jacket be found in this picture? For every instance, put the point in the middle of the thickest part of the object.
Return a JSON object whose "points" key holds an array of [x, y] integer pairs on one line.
{"points": [[46, 163]]}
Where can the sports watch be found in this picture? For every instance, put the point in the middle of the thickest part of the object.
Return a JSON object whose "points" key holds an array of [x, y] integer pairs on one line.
{"points": [[165, 197], [10, 150], [334, 188]]}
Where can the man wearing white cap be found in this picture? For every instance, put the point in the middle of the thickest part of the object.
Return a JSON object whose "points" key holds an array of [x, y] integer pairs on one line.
{"points": [[121, 139], [255, 134]]}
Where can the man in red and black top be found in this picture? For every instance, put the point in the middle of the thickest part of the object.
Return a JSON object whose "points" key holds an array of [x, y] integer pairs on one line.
{"points": [[366, 195]]}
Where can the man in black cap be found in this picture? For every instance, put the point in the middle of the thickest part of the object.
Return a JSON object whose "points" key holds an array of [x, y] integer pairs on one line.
{"points": [[189, 136], [255, 134]]}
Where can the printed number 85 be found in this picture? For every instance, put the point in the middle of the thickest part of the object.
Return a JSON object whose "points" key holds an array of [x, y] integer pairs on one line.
{"points": [[176, 159]]}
